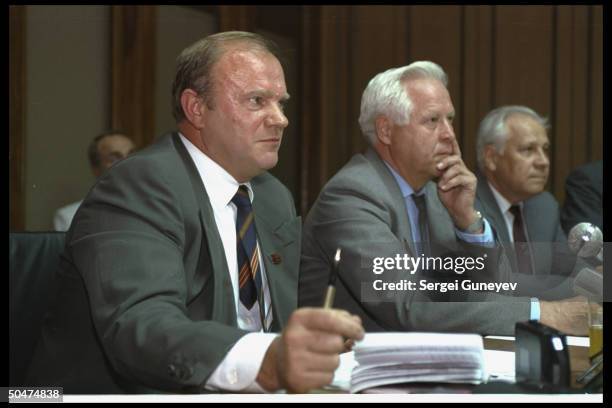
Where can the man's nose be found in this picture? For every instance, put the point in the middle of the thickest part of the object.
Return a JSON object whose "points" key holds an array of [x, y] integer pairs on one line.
{"points": [[277, 117], [447, 133], [542, 159]]}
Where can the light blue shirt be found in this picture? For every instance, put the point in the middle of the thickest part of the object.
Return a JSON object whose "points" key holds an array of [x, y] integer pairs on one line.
{"points": [[534, 314], [486, 238]]}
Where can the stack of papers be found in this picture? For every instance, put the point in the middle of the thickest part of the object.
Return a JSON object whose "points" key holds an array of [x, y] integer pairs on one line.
{"points": [[393, 358]]}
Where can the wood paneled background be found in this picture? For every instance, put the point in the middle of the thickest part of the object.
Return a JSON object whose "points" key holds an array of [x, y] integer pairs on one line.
{"points": [[547, 57]]}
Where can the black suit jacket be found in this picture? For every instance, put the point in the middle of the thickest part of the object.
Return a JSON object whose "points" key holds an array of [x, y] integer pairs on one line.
{"points": [[583, 191], [145, 301]]}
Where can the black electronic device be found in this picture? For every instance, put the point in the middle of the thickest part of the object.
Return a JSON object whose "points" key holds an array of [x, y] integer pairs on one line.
{"points": [[541, 357]]}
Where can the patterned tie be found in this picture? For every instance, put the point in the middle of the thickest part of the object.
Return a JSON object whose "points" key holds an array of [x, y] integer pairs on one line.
{"points": [[419, 201], [521, 245], [246, 246]]}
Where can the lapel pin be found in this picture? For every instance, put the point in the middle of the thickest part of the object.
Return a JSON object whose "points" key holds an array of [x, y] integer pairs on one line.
{"points": [[276, 258]]}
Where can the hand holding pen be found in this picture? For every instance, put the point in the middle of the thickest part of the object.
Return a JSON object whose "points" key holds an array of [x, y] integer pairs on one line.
{"points": [[330, 294]]}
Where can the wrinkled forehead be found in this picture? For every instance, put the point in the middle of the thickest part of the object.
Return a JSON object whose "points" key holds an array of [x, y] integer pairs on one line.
{"points": [[428, 94], [522, 128]]}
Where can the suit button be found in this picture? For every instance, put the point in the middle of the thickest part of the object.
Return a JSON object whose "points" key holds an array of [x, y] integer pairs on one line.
{"points": [[171, 370]]}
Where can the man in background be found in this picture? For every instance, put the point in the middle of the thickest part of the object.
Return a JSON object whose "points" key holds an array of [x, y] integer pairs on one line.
{"points": [[411, 194], [583, 196], [104, 150], [512, 149]]}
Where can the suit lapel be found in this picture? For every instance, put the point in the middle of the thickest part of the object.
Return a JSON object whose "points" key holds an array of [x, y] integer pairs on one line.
{"points": [[491, 210], [397, 203], [224, 307], [281, 259], [493, 214]]}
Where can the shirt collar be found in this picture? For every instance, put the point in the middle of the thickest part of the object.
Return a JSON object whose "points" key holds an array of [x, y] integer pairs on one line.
{"points": [[405, 188], [219, 184], [503, 204]]}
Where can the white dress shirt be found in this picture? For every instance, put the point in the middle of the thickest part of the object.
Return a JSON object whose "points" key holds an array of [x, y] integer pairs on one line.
{"points": [[63, 217], [504, 206], [239, 368]]}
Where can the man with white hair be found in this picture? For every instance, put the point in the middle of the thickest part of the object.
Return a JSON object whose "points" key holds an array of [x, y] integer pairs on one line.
{"points": [[512, 150], [410, 197]]}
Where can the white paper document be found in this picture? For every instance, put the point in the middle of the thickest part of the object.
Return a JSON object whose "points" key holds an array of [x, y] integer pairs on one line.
{"points": [[393, 358], [499, 365]]}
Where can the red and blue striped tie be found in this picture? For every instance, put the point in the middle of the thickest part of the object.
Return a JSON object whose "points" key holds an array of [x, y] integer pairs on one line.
{"points": [[246, 246]]}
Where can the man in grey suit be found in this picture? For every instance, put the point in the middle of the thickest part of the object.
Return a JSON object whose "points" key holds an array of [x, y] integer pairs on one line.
{"points": [[372, 209], [184, 257], [512, 150]]}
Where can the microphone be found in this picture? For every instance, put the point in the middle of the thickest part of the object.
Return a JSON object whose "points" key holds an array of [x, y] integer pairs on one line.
{"points": [[586, 241], [589, 283]]}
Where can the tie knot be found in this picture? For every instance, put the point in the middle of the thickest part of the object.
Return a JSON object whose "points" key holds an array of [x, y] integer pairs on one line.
{"points": [[516, 211], [419, 201], [241, 198]]}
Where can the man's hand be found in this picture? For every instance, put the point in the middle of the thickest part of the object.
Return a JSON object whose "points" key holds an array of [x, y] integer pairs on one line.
{"points": [[457, 188], [306, 354], [568, 316]]}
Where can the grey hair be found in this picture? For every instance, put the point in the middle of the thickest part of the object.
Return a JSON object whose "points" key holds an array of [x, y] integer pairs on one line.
{"points": [[195, 63], [386, 95], [493, 129]]}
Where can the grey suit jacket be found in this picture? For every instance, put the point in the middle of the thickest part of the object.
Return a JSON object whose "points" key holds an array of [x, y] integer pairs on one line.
{"points": [[361, 210], [146, 302], [554, 265]]}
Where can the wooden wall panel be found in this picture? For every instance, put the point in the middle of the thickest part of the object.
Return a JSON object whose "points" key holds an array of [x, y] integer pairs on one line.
{"points": [[325, 140], [477, 98], [436, 33], [241, 18], [570, 80], [546, 57], [523, 51], [378, 42], [17, 91], [133, 71], [595, 83], [523, 60]]}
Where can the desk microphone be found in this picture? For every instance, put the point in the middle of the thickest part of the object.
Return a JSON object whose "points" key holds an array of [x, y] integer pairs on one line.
{"points": [[586, 241]]}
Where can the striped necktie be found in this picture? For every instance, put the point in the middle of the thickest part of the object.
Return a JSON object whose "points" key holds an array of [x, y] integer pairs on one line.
{"points": [[249, 276]]}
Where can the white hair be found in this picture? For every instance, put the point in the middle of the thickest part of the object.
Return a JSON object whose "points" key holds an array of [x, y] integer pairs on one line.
{"points": [[493, 128], [386, 95]]}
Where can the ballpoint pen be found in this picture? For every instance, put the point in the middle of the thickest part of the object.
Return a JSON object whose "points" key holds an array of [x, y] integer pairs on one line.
{"points": [[331, 286]]}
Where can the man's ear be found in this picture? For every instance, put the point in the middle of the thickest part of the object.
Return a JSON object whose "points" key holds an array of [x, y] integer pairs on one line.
{"points": [[382, 126], [193, 107], [490, 157]]}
